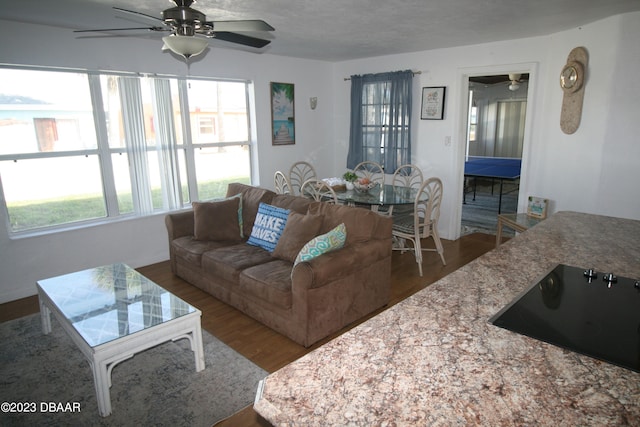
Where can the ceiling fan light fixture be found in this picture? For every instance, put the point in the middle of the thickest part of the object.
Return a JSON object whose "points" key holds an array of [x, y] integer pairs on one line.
{"points": [[515, 81], [190, 31], [187, 46]]}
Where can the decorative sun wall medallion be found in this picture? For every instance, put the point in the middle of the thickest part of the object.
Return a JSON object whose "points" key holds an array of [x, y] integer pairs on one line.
{"points": [[572, 79]]}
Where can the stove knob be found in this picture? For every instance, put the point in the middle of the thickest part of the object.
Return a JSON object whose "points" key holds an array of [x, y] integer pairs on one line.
{"points": [[610, 278], [590, 274], [637, 284]]}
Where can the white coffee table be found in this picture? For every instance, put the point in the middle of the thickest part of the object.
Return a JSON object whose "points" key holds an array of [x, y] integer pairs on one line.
{"points": [[113, 312]]}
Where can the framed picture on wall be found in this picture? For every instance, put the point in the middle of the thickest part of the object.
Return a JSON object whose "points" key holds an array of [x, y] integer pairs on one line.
{"points": [[433, 103], [283, 129]]}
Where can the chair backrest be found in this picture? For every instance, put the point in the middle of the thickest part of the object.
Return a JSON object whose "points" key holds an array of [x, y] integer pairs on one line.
{"points": [[427, 206], [319, 191], [408, 176], [371, 170], [281, 183], [298, 174]]}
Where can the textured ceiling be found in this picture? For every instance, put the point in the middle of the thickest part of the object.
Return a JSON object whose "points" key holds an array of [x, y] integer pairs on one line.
{"points": [[336, 30]]}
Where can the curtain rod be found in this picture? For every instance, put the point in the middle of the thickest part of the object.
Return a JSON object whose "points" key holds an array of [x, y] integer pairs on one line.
{"points": [[414, 73]]}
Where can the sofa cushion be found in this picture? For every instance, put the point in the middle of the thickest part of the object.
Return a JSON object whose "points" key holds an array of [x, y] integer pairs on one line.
{"points": [[270, 282], [191, 250], [293, 203], [361, 223], [218, 220], [227, 262], [298, 231], [251, 199], [268, 226], [322, 244]]}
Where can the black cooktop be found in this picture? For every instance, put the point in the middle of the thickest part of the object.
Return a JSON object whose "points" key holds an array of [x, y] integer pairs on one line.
{"points": [[589, 312]]}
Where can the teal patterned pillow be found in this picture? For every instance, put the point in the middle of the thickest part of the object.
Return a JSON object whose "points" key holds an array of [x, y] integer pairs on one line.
{"points": [[322, 244]]}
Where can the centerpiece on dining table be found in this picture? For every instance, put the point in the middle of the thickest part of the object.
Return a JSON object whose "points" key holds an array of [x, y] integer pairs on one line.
{"points": [[364, 185], [349, 178]]}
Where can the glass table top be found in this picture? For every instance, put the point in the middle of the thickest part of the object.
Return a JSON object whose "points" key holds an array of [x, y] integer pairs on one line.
{"points": [[520, 220], [113, 301], [382, 196]]}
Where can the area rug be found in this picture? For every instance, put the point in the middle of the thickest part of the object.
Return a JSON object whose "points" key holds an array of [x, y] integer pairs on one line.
{"points": [[158, 387], [481, 215]]}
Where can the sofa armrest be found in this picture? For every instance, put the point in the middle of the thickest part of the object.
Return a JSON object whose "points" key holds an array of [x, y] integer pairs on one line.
{"points": [[179, 224]]}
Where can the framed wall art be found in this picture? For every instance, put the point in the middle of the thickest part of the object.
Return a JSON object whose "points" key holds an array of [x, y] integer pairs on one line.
{"points": [[537, 207], [433, 103], [283, 129]]}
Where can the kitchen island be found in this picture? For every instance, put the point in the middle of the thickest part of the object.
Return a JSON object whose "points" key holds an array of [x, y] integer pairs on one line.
{"points": [[434, 358]]}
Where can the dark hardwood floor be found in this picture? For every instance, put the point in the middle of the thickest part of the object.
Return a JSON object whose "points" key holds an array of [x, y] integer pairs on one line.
{"points": [[266, 348]]}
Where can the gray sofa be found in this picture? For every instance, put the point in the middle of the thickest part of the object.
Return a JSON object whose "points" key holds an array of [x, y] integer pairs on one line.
{"points": [[305, 303]]}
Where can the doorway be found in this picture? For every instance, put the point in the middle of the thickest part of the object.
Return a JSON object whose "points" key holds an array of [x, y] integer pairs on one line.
{"points": [[495, 134]]}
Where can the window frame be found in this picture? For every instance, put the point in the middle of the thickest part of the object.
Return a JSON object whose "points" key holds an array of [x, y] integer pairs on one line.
{"points": [[104, 152]]}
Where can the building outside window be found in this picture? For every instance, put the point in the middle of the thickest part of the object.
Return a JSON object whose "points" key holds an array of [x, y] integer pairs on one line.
{"points": [[78, 147]]}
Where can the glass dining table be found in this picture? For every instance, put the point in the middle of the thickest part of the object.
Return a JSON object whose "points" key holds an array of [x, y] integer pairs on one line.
{"points": [[379, 196]]}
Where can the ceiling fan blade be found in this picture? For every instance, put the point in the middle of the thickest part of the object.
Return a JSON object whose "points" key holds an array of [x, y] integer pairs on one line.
{"points": [[155, 18], [241, 39], [105, 30], [248, 25]]}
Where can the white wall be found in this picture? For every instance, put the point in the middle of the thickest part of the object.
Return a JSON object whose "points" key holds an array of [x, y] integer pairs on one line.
{"points": [[595, 170], [143, 241]]}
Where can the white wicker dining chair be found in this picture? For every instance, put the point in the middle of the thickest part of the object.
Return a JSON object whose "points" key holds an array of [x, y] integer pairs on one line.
{"points": [[371, 170], [410, 176], [319, 191], [299, 173], [281, 183], [375, 173], [421, 223]]}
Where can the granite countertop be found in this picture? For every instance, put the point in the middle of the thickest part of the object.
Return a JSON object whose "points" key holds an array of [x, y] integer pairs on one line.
{"points": [[434, 358]]}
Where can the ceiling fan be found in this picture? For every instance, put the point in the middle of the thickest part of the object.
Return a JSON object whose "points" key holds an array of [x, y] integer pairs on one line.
{"points": [[515, 80], [190, 31]]}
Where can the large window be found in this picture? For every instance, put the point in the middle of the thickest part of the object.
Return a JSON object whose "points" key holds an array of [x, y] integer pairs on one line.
{"points": [[381, 119], [80, 147]]}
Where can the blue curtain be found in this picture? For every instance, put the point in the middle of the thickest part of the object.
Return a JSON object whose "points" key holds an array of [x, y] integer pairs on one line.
{"points": [[381, 104], [355, 154]]}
